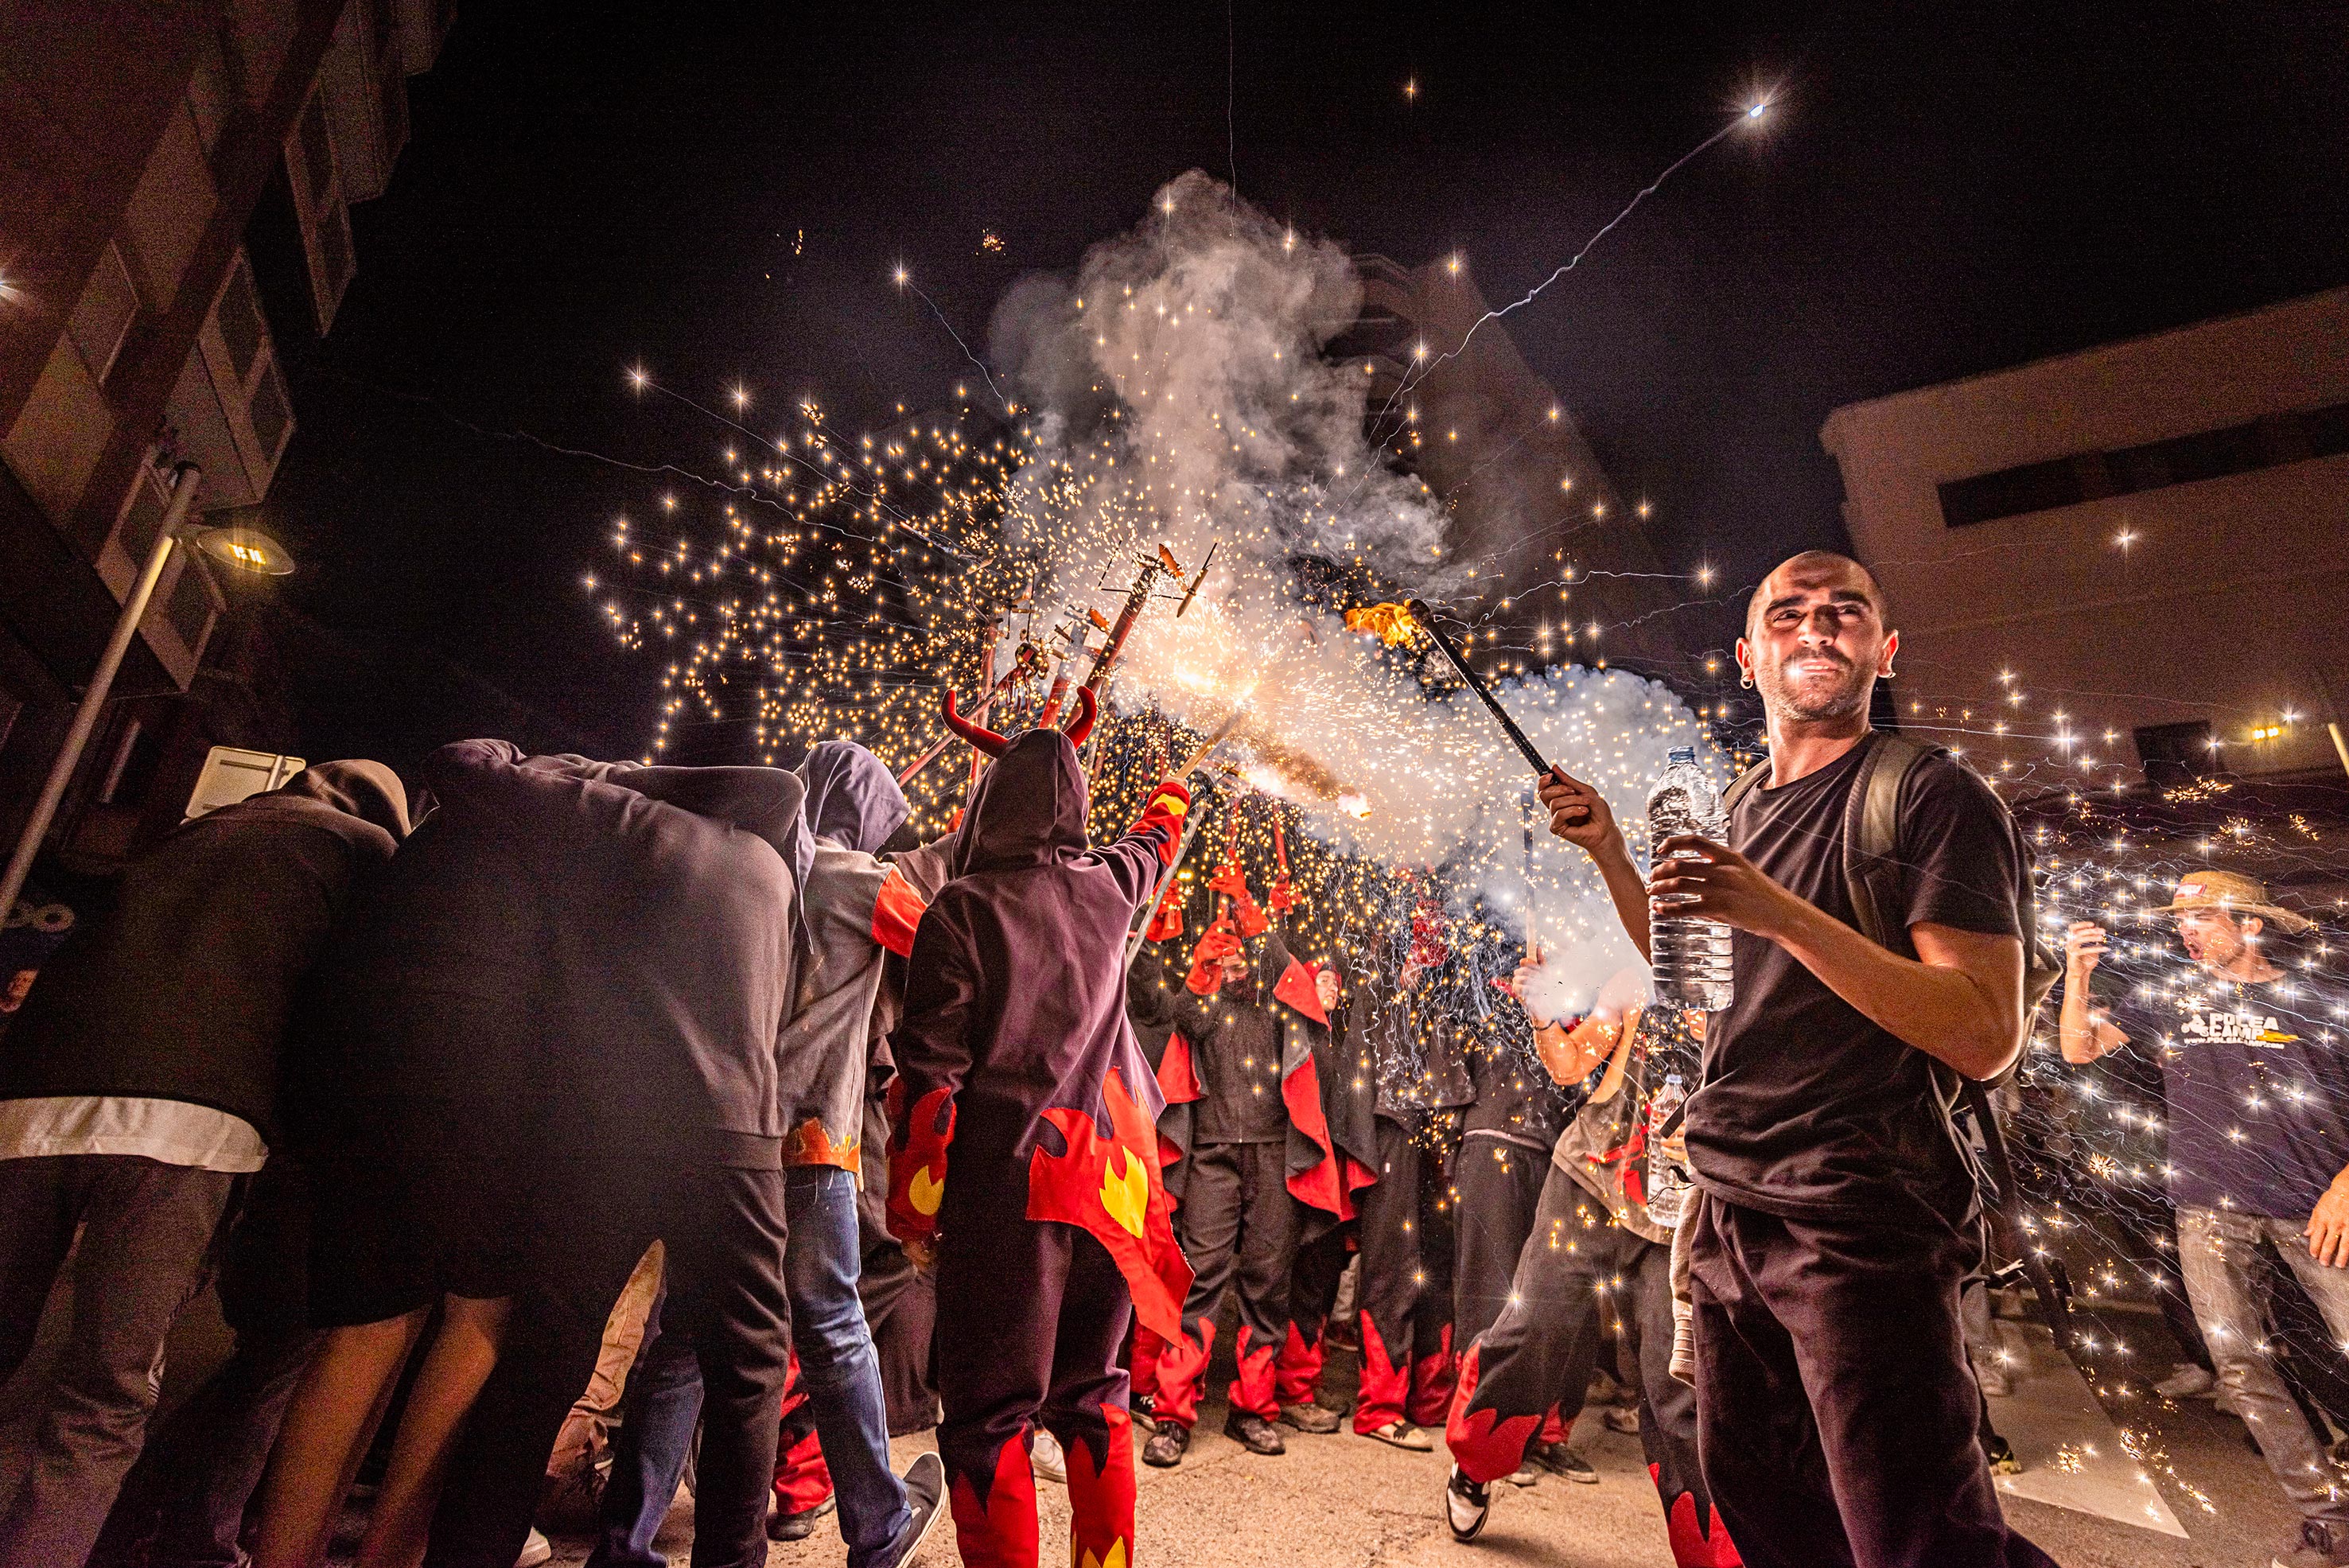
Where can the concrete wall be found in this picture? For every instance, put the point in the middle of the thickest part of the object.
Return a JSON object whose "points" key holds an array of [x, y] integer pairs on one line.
{"points": [[2224, 599]]}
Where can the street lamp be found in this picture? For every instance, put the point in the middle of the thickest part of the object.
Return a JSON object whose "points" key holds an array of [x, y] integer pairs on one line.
{"points": [[244, 548]]}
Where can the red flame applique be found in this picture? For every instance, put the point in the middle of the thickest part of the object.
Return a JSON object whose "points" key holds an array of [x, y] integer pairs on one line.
{"points": [[1181, 1366], [1485, 1444], [1692, 1547], [1384, 1387], [1000, 1529], [917, 1175], [1252, 1387], [1100, 1501], [1111, 1188]]}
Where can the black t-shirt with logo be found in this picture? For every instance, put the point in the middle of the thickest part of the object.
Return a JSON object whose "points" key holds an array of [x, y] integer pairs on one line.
{"points": [[2256, 1080], [1809, 1111]]}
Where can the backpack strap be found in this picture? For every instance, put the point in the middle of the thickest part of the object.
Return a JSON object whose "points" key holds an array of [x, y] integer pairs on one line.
{"points": [[1742, 785]]}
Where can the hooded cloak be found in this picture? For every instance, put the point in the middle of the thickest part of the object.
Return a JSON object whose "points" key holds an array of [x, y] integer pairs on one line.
{"points": [[1015, 1051], [858, 912], [184, 990]]}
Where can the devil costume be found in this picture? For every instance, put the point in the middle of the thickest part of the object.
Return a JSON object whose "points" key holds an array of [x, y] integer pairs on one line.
{"points": [[1027, 1147], [1504, 1160], [1592, 1250], [1239, 1222]]}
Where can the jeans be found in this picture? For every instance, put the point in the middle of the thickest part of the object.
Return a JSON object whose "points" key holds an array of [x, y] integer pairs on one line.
{"points": [[2220, 1253], [146, 1232], [836, 1360]]}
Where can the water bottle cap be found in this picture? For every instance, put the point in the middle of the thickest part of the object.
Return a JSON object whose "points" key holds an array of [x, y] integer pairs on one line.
{"points": [[1682, 754]]}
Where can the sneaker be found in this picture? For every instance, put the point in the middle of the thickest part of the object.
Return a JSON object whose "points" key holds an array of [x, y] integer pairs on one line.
{"points": [[2318, 1547], [1623, 1418], [925, 1491], [2186, 1381], [1310, 1418], [1254, 1433], [1559, 1459], [1403, 1434], [1466, 1505], [1521, 1477], [801, 1526], [535, 1549], [1166, 1445], [1045, 1457], [2000, 1455], [1144, 1409]]}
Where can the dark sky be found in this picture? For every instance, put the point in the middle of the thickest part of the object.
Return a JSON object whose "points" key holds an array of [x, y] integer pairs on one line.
{"points": [[1941, 189]]}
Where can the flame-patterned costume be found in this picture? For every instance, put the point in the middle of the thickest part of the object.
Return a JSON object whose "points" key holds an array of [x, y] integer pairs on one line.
{"points": [[1027, 1147], [1262, 1161], [1592, 1249]]}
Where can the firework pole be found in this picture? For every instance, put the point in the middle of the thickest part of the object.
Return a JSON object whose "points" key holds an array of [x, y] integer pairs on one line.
{"points": [[1024, 665], [1072, 635]]}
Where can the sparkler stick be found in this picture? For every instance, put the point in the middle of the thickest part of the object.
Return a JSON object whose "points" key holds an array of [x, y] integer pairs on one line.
{"points": [[1427, 619]]}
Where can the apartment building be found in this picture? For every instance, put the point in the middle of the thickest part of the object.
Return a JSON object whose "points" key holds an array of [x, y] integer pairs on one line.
{"points": [[136, 143]]}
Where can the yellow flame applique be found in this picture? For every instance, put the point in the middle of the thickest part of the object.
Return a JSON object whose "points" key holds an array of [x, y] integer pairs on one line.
{"points": [[1392, 623], [926, 1191], [1116, 1558], [1126, 1197]]}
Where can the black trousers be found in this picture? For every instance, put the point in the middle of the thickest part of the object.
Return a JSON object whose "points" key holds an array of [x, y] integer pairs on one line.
{"points": [[723, 1230], [1837, 1416], [1032, 1320], [1238, 1225], [1393, 1280], [1499, 1186]]}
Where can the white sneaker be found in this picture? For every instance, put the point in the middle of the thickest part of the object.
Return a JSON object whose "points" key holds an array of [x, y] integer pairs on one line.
{"points": [[1466, 1505], [1045, 1454], [535, 1550], [2185, 1381]]}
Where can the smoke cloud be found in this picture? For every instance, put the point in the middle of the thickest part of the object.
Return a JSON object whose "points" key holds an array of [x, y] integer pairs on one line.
{"points": [[1181, 391]]}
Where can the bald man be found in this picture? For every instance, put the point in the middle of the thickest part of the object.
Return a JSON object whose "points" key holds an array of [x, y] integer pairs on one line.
{"points": [[1836, 1413]]}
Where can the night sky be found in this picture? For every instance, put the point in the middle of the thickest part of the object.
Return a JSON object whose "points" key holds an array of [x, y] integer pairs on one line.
{"points": [[719, 195]]}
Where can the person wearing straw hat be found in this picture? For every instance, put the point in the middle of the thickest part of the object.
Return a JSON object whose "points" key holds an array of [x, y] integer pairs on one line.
{"points": [[2255, 1078]]}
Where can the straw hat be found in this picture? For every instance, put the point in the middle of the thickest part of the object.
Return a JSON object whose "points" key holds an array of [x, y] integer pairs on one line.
{"points": [[2236, 895]]}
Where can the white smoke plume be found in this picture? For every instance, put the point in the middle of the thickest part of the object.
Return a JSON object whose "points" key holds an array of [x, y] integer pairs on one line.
{"points": [[1181, 393]]}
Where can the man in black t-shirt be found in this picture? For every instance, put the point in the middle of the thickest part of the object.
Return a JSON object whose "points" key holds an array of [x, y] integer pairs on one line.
{"points": [[2255, 1074], [1837, 1416]]}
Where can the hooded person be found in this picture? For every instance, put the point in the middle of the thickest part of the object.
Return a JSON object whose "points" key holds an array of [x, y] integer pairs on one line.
{"points": [[1332, 1143], [1260, 1163], [1027, 1152], [139, 1085], [836, 1435], [1593, 1252]]}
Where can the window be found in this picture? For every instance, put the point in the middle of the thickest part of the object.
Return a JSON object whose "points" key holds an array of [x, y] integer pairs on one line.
{"points": [[2155, 465]]}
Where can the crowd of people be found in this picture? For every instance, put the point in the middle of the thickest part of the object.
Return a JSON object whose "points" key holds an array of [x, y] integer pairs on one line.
{"points": [[706, 1118]]}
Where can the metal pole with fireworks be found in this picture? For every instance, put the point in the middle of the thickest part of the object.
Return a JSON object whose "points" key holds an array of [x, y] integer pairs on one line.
{"points": [[1426, 619]]}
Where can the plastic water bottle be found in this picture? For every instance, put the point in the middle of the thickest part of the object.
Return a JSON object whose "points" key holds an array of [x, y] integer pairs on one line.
{"points": [[1666, 1185], [1690, 957]]}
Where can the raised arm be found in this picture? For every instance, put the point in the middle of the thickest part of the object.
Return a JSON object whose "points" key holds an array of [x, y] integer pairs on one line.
{"points": [[2081, 1028]]}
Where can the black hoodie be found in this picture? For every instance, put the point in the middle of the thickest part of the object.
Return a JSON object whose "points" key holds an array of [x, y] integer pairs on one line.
{"points": [[183, 992]]}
